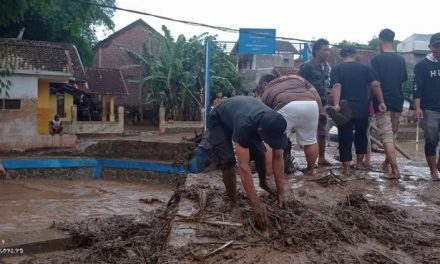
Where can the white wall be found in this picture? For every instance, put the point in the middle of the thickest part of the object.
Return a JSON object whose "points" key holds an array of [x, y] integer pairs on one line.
{"points": [[23, 86]]}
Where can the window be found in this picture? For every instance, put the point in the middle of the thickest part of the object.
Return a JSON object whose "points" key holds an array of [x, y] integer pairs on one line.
{"points": [[60, 105], [10, 104]]}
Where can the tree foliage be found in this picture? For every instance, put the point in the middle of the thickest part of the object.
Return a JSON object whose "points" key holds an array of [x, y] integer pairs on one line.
{"points": [[56, 20], [4, 72], [174, 74], [408, 85]]}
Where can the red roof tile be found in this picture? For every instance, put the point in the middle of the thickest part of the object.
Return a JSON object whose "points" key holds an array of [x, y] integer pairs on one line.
{"points": [[42, 56], [106, 81], [280, 70]]}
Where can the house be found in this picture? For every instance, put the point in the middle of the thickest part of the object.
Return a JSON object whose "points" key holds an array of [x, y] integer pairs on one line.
{"points": [[414, 48], [362, 55], [44, 78], [112, 53], [104, 85], [253, 66]]}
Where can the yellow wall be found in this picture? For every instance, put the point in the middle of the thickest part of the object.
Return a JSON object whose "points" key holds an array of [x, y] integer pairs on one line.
{"points": [[52, 105], [43, 117], [68, 103]]}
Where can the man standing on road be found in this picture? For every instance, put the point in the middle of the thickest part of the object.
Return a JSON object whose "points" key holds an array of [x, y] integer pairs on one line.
{"points": [[350, 81], [390, 70], [317, 72], [243, 122], [427, 102]]}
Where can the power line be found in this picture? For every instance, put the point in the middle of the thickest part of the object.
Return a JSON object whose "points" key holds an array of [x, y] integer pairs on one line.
{"points": [[225, 29]]}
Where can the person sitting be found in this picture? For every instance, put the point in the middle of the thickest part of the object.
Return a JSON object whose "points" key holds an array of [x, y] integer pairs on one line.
{"points": [[56, 125]]}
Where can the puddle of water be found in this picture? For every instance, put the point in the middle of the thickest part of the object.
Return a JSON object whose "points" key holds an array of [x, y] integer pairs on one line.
{"points": [[34, 204]]}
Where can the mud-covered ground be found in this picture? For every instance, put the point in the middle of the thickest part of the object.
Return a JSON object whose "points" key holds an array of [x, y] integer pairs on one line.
{"points": [[327, 219]]}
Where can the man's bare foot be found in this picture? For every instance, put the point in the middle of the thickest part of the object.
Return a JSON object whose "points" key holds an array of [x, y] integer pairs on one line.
{"points": [[324, 163], [368, 165], [434, 174], [346, 171], [391, 176], [395, 171], [386, 167], [360, 166], [268, 189], [435, 178], [309, 172]]}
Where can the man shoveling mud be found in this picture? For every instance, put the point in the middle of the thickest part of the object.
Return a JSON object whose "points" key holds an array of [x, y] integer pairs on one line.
{"points": [[243, 123]]}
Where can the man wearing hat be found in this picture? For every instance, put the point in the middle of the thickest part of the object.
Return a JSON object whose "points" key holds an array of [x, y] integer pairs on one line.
{"points": [[243, 122], [427, 102]]}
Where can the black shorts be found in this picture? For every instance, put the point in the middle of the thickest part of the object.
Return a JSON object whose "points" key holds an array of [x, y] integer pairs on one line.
{"points": [[221, 150]]}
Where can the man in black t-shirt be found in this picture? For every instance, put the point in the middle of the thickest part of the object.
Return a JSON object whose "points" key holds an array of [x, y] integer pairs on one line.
{"points": [[427, 102], [390, 70], [245, 122], [350, 81]]}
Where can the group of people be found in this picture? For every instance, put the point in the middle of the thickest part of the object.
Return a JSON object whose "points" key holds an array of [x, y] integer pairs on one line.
{"points": [[243, 129]]}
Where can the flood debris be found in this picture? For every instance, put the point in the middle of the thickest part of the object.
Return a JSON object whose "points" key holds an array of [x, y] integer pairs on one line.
{"points": [[353, 230], [330, 179]]}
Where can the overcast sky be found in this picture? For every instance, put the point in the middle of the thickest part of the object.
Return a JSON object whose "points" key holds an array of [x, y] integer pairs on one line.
{"points": [[335, 20]]}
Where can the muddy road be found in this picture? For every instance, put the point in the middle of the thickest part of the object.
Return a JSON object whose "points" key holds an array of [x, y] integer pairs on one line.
{"points": [[358, 219]]}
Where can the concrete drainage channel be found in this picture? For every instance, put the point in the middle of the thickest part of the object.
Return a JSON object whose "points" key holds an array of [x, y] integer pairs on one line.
{"points": [[30, 178], [38, 194]]}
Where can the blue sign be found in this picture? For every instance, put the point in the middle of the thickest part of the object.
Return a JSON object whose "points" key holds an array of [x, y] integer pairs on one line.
{"points": [[257, 41]]}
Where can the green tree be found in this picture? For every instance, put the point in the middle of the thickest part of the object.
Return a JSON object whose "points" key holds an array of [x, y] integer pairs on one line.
{"points": [[224, 77], [57, 20], [4, 72], [351, 43], [373, 43]]}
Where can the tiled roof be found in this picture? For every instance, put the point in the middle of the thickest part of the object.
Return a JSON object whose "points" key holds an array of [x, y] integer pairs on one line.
{"points": [[279, 70], [42, 56], [285, 46], [106, 81], [105, 41]]}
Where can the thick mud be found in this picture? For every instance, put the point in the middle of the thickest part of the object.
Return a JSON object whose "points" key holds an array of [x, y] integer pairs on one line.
{"points": [[118, 239], [34, 204], [358, 219], [354, 230]]}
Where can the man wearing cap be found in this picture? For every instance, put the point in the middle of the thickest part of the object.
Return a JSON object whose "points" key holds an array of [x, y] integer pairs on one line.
{"points": [[390, 70], [299, 103], [427, 102], [350, 81], [244, 122]]}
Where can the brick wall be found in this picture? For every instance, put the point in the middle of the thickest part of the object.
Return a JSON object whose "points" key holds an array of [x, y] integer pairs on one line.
{"points": [[109, 55]]}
